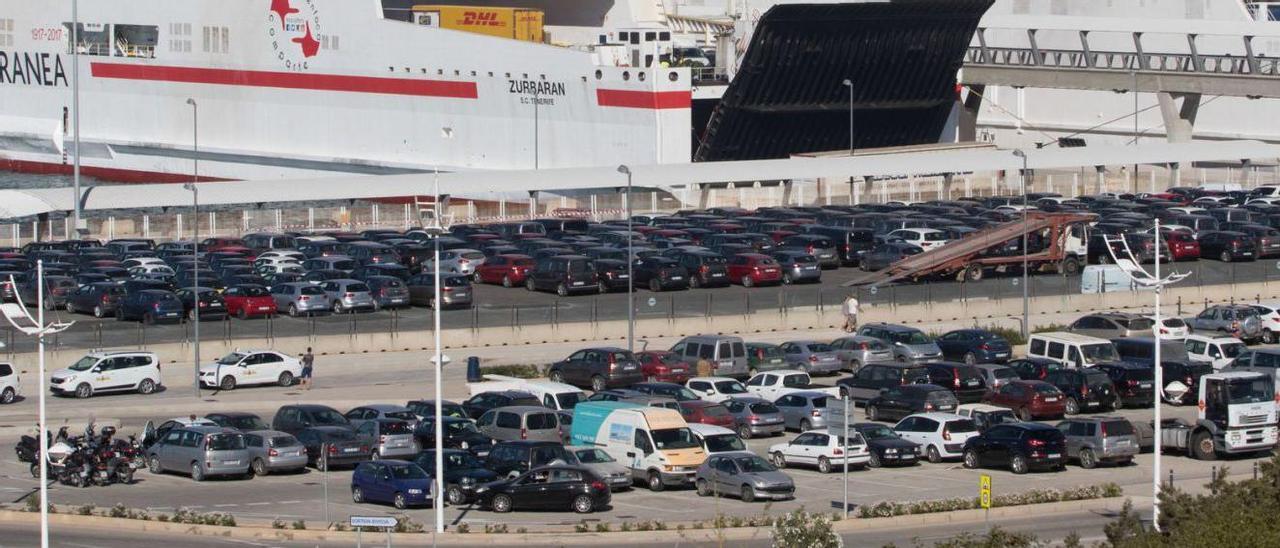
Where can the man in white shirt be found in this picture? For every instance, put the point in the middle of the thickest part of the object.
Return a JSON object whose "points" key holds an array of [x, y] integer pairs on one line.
{"points": [[851, 308]]}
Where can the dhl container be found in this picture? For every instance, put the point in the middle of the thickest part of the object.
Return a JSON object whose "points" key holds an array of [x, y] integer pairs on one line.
{"points": [[515, 23]]}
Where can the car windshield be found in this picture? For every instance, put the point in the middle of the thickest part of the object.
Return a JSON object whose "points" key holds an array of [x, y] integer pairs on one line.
{"points": [[878, 432], [753, 464], [455, 459], [730, 387], [357, 288], [460, 427], [1099, 352], [724, 442], [674, 438], [408, 472], [226, 442], [231, 359], [1004, 373], [338, 435], [568, 400], [1046, 389], [402, 415], [1117, 428], [542, 421], [247, 423], [254, 292], [1231, 350], [1250, 390], [679, 393], [909, 337], [285, 441], [329, 417], [592, 456], [793, 381], [84, 364], [1137, 324], [768, 352]]}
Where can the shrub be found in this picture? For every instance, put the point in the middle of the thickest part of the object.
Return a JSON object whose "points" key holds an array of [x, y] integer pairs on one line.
{"points": [[462, 528], [1049, 327], [406, 525], [118, 511], [521, 371], [522, 530], [801, 529], [581, 528], [276, 523], [498, 528], [300, 525], [86, 510], [1014, 336], [602, 527], [1034, 496]]}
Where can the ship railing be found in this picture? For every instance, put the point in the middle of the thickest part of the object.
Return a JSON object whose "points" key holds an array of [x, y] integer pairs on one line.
{"points": [[1123, 61], [92, 48], [133, 50], [708, 75]]}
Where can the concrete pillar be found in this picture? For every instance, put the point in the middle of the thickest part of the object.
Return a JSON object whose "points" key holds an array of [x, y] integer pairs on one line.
{"points": [[852, 192], [533, 204], [1101, 180], [967, 130], [1075, 185], [1179, 120], [1175, 174], [704, 196], [868, 190], [1244, 172], [786, 193]]}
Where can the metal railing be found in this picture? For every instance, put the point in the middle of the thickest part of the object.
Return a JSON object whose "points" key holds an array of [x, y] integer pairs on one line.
{"points": [[1028, 57]]}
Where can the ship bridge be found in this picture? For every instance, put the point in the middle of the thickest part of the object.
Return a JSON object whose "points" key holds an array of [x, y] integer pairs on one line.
{"points": [[1178, 60]]}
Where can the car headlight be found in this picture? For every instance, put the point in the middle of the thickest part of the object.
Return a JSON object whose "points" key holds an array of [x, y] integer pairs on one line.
{"points": [[481, 489], [891, 451], [467, 481], [415, 491], [464, 445]]}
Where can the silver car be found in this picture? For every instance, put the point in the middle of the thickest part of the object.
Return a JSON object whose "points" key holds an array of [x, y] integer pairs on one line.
{"points": [[1100, 439], [520, 422], [458, 261], [857, 351], [1235, 320], [745, 475], [754, 416], [301, 298], [803, 410], [274, 451], [614, 473], [348, 295], [907, 343], [331, 262], [388, 291], [390, 438], [812, 357], [996, 375], [202, 451]]}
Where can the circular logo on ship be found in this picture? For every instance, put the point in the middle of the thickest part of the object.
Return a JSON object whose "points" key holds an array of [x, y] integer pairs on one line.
{"points": [[294, 28]]}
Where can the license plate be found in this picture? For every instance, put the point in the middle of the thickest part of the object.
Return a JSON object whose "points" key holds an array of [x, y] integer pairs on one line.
{"points": [[677, 278], [623, 276], [459, 295], [171, 314], [717, 275], [1145, 385], [231, 462], [1002, 354], [264, 308], [1055, 455], [971, 383], [579, 283], [215, 305], [945, 407], [770, 270], [350, 450], [828, 256], [1051, 399]]}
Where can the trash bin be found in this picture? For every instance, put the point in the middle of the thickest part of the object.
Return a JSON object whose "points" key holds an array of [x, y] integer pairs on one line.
{"points": [[473, 369]]}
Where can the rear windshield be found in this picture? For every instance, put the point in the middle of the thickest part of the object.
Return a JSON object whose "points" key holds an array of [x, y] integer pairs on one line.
{"points": [[767, 352], [311, 290], [820, 401], [820, 347], [965, 425], [329, 417], [1117, 428], [1136, 324], [225, 442], [792, 381], [339, 435], [254, 292], [284, 441], [764, 408], [908, 337], [1232, 350], [396, 428], [938, 396], [542, 421], [1139, 374], [1174, 322], [1044, 434], [935, 236], [356, 288], [1047, 389], [526, 400], [1005, 373], [715, 411]]}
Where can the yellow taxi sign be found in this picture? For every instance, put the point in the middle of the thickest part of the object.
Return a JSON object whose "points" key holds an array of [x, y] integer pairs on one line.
{"points": [[984, 491]]}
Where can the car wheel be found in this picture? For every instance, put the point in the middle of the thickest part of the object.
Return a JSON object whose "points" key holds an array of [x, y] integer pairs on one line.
{"points": [[694, 282], [148, 319], [70, 308], [1225, 256], [528, 284], [744, 431], [556, 376], [400, 502], [1018, 464], [970, 459], [197, 473], [455, 496], [824, 465], [153, 465], [243, 313], [562, 290], [322, 463], [902, 359], [8, 396], [873, 413], [98, 312], [285, 380], [933, 454], [506, 282], [779, 460], [1088, 459], [1073, 406], [854, 366], [598, 384], [654, 285], [501, 504], [583, 504], [655, 482], [1268, 337], [805, 425], [1117, 403], [703, 488], [293, 311], [191, 315], [228, 383], [357, 495], [1202, 447], [747, 281], [84, 390], [147, 386], [602, 287], [259, 468], [748, 494], [337, 307], [970, 359], [875, 460]]}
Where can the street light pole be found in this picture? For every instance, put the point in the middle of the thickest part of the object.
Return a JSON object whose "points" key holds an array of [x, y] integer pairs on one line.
{"points": [[1159, 373], [75, 111], [438, 229], [195, 238], [1026, 307], [849, 84], [44, 429], [1134, 184], [631, 288]]}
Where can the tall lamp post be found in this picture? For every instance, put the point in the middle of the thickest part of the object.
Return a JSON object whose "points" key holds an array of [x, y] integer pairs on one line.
{"points": [[849, 84], [631, 288], [1026, 307], [75, 115], [195, 239]]}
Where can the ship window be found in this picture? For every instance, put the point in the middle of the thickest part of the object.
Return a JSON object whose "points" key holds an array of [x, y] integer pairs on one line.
{"points": [[626, 75], [635, 38], [207, 31], [640, 76], [599, 75], [135, 40], [664, 36], [226, 40], [673, 76], [650, 36], [92, 38]]}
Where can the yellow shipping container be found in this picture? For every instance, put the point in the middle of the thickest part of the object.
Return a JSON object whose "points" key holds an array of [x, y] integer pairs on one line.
{"points": [[515, 23]]}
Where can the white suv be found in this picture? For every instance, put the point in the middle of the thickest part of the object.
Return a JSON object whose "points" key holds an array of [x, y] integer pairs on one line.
{"points": [[940, 435], [822, 449], [108, 372], [251, 367], [10, 383]]}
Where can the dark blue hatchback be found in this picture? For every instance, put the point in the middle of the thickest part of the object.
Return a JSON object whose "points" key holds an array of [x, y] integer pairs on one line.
{"points": [[396, 482], [974, 346]]}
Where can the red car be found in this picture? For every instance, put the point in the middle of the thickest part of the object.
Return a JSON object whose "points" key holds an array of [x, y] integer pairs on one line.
{"points": [[508, 270], [705, 412], [751, 269], [663, 366], [1030, 399], [245, 301], [218, 244], [1182, 246]]}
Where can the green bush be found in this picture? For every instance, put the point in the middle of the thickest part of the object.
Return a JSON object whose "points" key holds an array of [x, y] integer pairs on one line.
{"points": [[1049, 327], [462, 528], [1034, 496], [300, 525], [276, 523], [86, 510], [1014, 336], [521, 371], [800, 529], [406, 525], [498, 528]]}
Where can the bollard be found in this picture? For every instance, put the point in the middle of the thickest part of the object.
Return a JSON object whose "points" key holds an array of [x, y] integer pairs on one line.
{"points": [[1170, 477]]}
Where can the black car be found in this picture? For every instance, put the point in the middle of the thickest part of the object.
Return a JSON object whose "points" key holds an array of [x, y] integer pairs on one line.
{"points": [[597, 368], [1187, 373], [1135, 384], [660, 273], [1034, 369], [705, 268], [333, 446], [521, 456], [873, 378], [883, 255], [151, 306], [212, 306], [484, 401], [459, 433], [1086, 389], [99, 298], [612, 274], [965, 381], [1022, 446], [1227, 246], [665, 389], [565, 274], [896, 403], [292, 419], [973, 346], [886, 447], [244, 422], [463, 473], [547, 488]]}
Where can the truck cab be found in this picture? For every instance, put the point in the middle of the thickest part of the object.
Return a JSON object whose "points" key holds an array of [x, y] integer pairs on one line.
{"points": [[1238, 414]]}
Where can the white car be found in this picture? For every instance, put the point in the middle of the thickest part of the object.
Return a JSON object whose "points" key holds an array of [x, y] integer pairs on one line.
{"points": [[940, 435], [925, 238], [142, 261], [716, 389], [276, 261], [822, 449], [772, 385], [1269, 313], [245, 367], [294, 254], [108, 372], [1218, 351], [10, 383], [1174, 329], [151, 268], [717, 439]]}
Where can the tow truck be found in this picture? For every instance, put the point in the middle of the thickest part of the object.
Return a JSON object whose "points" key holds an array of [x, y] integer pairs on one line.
{"points": [[1237, 414]]}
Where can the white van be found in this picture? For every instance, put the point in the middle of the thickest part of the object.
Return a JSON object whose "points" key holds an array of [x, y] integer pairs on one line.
{"points": [[108, 372], [1108, 278], [554, 395], [655, 443], [1071, 349]]}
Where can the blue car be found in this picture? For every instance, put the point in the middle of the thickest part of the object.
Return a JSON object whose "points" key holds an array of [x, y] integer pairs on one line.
{"points": [[151, 306], [400, 483], [973, 346]]}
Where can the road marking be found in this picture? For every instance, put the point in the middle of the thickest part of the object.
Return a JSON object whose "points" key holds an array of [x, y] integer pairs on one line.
{"points": [[289, 502], [225, 505], [259, 504]]}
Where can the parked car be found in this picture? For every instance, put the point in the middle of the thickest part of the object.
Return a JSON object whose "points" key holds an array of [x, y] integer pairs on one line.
{"points": [[995, 375], [520, 422], [400, 483], [300, 298], [329, 446], [481, 403], [152, 306], [798, 266], [1235, 320], [828, 452], [706, 412], [238, 420], [884, 255], [1029, 399], [727, 354], [745, 475], [763, 357], [1032, 369], [388, 437], [1094, 440], [665, 389], [1112, 325], [295, 418], [908, 343], [901, 401], [752, 269], [245, 301], [547, 488], [754, 416], [869, 381], [425, 408], [1216, 351], [662, 366], [463, 473], [1020, 446], [348, 295], [202, 451], [716, 389], [1227, 246], [205, 301], [455, 290], [804, 411], [942, 435], [986, 416], [965, 381], [705, 268], [459, 433], [107, 372], [99, 299], [507, 269], [249, 367], [974, 346], [597, 368], [886, 447], [603, 465], [564, 274], [1084, 389], [271, 452], [812, 357], [510, 458], [1135, 384], [856, 351]]}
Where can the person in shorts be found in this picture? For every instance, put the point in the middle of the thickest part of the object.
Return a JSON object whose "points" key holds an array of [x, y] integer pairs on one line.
{"points": [[851, 307], [308, 361]]}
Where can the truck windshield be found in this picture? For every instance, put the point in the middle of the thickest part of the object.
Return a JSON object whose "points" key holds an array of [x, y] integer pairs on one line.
{"points": [[674, 438], [1250, 390], [1231, 350], [1100, 352]]}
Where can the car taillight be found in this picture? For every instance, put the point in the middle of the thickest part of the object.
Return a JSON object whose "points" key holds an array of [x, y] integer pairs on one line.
{"points": [[156, 306], [383, 292], [104, 299], [946, 434], [837, 451], [928, 406], [1035, 442], [1164, 331], [753, 418], [1131, 382], [273, 453], [704, 269], [809, 249], [813, 359], [864, 346], [984, 346], [348, 295], [202, 304], [382, 439], [599, 485], [815, 413], [524, 434], [304, 298], [1084, 390], [333, 449]]}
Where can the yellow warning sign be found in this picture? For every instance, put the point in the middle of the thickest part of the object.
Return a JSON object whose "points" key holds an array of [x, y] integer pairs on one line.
{"points": [[984, 491]]}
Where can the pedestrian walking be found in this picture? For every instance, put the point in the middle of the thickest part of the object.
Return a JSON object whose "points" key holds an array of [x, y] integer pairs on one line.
{"points": [[308, 362], [851, 308]]}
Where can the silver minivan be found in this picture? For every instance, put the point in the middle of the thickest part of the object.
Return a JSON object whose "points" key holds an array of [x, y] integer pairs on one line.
{"points": [[727, 354], [202, 451], [520, 422], [274, 451]]}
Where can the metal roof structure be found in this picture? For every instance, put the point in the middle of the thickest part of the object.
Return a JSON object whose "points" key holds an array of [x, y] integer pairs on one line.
{"points": [[492, 185]]}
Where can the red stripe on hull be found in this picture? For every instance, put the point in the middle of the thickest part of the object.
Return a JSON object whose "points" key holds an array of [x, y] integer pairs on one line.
{"points": [[100, 173], [654, 100], [286, 80]]}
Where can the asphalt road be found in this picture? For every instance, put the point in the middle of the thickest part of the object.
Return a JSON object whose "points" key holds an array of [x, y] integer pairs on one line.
{"points": [[499, 306]]}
